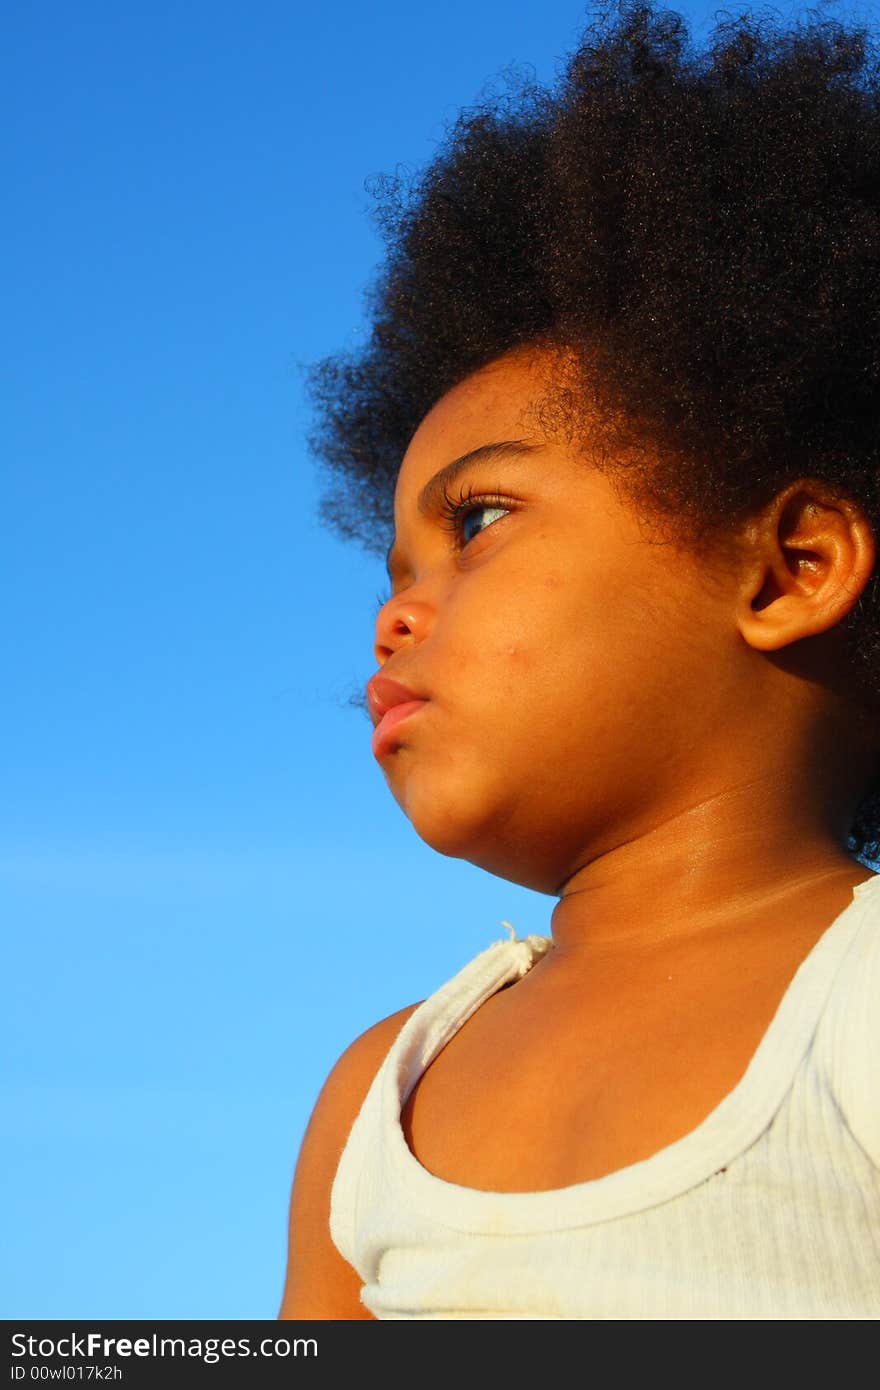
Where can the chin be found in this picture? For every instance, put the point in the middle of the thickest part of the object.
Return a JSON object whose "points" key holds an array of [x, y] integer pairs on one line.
{"points": [[449, 829], [472, 828]]}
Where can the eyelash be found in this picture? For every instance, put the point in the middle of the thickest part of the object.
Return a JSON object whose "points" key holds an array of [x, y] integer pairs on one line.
{"points": [[455, 508]]}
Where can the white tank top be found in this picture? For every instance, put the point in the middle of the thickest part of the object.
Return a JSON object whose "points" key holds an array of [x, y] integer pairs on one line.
{"points": [[769, 1209]]}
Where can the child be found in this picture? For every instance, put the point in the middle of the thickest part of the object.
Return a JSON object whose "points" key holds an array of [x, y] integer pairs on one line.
{"points": [[623, 390]]}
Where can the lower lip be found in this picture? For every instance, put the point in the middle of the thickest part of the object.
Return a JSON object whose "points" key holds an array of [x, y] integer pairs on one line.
{"points": [[384, 738]]}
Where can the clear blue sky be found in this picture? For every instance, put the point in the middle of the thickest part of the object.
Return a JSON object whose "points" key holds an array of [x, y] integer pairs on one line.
{"points": [[206, 888]]}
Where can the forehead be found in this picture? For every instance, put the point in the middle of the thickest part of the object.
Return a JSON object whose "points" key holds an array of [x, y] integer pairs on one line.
{"points": [[498, 402]]}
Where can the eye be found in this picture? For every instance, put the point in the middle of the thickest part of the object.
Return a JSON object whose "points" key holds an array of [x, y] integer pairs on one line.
{"points": [[469, 513], [482, 510]]}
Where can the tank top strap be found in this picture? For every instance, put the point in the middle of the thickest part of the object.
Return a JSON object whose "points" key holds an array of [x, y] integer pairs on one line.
{"points": [[430, 1026]]}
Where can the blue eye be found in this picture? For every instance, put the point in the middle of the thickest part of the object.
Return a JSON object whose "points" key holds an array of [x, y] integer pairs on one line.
{"points": [[471, 513]]}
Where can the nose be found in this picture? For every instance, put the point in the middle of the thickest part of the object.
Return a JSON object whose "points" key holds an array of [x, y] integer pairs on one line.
{"points": [[402, 621]]}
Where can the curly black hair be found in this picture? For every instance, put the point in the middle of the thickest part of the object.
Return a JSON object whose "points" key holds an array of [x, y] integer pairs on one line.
{"points": [[701, 227]]}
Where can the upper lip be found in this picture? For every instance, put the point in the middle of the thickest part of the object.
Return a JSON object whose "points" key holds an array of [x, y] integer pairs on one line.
{"points": [[383, 694]]}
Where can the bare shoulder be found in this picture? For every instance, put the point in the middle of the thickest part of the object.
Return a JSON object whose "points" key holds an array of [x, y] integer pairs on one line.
{"points": [[320, 1284]]}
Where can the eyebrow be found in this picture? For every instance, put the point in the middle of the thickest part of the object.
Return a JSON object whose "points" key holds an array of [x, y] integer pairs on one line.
{"points": [[434, 489]]}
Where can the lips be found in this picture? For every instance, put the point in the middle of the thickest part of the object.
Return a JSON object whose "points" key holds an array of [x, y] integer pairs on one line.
{"points": [[389, 704]]}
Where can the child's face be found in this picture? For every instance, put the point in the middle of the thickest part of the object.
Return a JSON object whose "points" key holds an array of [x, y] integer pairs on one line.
{"points": [[575, 673]]}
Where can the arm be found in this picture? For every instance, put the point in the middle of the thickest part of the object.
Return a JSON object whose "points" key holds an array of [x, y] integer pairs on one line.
{"points": [[320, 1284]]}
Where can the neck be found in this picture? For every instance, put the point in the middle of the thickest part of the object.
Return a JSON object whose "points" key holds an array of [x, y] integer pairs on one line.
{"points": [[749, 849]]}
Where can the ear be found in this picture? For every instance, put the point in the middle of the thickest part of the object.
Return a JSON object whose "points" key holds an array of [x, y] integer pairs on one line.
{"points": [[809, 555]]}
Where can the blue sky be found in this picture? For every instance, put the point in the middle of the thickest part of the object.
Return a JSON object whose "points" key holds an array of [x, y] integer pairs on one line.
{"points": [[207, 890]]}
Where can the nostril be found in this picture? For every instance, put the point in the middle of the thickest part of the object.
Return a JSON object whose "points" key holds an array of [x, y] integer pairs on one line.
{"points": [[402, 621], [393, 631]]}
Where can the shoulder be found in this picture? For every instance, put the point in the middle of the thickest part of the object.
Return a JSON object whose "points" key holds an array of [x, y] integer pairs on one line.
{"points": [[353, 1074], [319, 1282]]}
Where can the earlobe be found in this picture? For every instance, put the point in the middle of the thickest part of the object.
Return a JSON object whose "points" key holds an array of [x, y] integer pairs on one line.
{"points": [[809, 555]]}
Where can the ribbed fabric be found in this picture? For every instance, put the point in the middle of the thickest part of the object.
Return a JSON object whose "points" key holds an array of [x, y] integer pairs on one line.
{"points": [[769, 1209]]}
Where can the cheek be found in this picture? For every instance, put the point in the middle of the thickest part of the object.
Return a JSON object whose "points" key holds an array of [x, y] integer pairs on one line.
{"points": [[575, 667], [544, 723]]}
